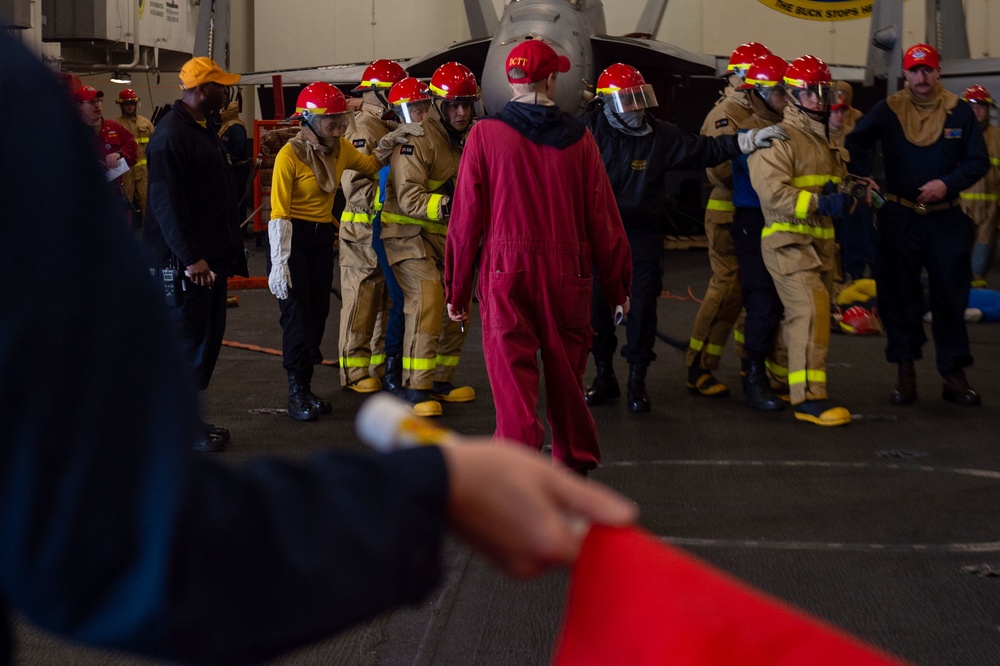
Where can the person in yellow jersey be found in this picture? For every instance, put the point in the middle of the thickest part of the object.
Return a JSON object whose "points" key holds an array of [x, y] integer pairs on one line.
{"points": [[796, 182], [981, 202], [415, 224], [307, 172], [723, 300], [362, 281], [134, 181]]}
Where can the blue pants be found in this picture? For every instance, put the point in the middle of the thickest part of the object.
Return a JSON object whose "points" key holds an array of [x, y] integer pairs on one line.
{"points": [[640, 326], [760, 299], [394, 320], [907, 243]]}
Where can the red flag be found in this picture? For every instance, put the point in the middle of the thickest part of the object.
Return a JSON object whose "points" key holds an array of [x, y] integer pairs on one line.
{"points": [[634, 600]]}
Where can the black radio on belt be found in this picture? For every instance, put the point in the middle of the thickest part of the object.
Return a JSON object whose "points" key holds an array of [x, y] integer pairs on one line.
{"points": [[171, 280]]}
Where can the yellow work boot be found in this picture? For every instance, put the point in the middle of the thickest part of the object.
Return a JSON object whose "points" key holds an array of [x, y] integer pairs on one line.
{"points": [[702, 382], [421, 403], [822, 412], [450, 393], [365, 385]]}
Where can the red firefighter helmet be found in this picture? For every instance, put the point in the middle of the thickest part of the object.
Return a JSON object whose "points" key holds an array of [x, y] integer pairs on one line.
{"points": [[859, 321], [766, 71], [623, 87], [380, 74], [455, 82], [407, 93], [127, 95], [320, 99], [743, 56], [978, 95], [809, 73]]}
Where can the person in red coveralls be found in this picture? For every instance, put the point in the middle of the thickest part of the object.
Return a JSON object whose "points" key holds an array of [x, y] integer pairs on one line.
{"points": [[112, 141], [531, 185]]}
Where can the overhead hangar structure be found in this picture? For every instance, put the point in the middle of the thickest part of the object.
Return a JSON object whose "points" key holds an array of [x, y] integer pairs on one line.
{"points": [[574, 28]]}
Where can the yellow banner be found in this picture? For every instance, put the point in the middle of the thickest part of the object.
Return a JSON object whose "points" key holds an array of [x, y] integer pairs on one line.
{"points": [[822, 10]]}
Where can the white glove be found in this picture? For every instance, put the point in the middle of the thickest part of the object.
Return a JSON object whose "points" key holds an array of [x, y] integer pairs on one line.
{"points": [[760, 138], [279, 235], [398, 135]]}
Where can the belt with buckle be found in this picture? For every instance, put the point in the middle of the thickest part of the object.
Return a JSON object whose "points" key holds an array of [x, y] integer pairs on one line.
{"points": [[922, 209]]}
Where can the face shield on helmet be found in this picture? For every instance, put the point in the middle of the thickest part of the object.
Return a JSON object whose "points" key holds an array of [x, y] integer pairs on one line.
{"points": [[766, 78], [809, 85], [323, 108], [410, 99], [624, 90], [455, 93]]}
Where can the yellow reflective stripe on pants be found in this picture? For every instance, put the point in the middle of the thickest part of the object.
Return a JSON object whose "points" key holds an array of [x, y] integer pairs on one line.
{"points": [[814, 180], [140, 163], [355, 362], [824, 233], [718, 204], [776, 370], [696, 345], [396, 218], [377, 359], [738, 336], [980, 196], [995, 161], [803, 376], [418, 363], [142, 139], [447, 360], [714, 350]]}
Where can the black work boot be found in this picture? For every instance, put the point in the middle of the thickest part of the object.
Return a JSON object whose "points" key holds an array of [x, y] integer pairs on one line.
{"points": [[321, 406], [906, 384], [759, 394], [744, 372], [956, 389], [392, 381], [605, 385], [299, 407], [638, 399]]}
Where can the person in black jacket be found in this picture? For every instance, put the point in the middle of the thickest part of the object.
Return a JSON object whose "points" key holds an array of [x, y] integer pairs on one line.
{"points": [[116, 536], [933, 149], [638, 152], [192, 233]]}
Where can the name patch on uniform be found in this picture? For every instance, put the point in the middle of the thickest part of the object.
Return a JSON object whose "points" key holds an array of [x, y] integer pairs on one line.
{"points": [[953, 132], [359, 143], [638, 165], [406, 150], [722, 123]]}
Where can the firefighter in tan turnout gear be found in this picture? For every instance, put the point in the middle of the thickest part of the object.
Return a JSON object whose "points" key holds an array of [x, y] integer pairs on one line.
{"points": [[981, 202], [362, 283], [723, 299], [796, 181], [414, 227], [134, 180]]}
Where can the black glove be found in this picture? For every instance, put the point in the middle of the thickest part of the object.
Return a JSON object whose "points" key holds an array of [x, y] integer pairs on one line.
{"points": [[836, 205]]}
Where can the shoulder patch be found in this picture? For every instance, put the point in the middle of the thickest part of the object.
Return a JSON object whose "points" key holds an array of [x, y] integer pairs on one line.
{"points": [[722, 122], [359, 143], [406, 150], [953, 132]]}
